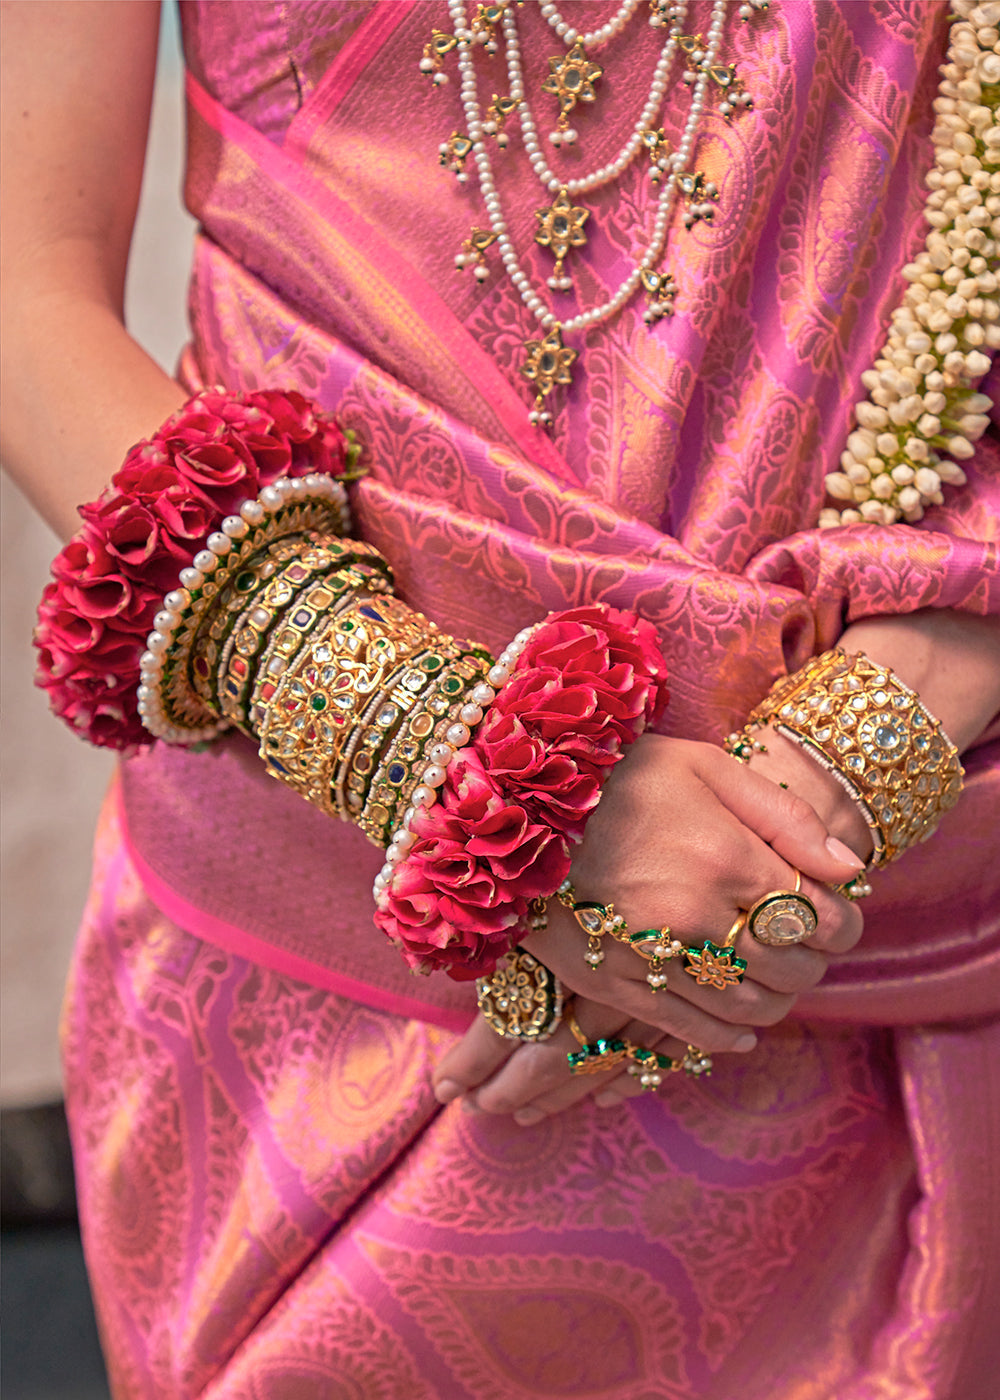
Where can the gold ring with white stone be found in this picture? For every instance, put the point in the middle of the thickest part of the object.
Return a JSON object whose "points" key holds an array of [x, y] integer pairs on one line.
{"points": [[783, 917]]}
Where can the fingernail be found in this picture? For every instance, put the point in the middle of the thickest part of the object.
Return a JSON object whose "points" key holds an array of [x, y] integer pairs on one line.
{"points": [[745, 1043], [844, 853], [524, 1117], [446, 1090]]}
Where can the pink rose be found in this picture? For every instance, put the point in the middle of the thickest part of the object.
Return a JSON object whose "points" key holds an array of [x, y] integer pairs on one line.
{"points": [[554, 787], [136, 540], [224, 472]]}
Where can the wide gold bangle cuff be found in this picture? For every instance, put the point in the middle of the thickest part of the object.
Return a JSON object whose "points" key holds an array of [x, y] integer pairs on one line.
{"points": [[862, 722]]}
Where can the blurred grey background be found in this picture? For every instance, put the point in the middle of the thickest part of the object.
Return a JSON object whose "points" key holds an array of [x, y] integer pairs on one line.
{"points": [[52, 786]]}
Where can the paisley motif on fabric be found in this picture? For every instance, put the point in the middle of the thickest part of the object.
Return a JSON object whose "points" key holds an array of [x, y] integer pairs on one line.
{"points": [[477, 1177], [737, 1241], [802, 1087], [831, 221], [340, 1093], [323, 1343], [524, 1327]]}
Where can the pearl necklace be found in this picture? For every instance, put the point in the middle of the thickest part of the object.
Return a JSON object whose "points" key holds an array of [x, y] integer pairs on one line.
{"points": [[549, 361], [604, 174], [596, 37]]}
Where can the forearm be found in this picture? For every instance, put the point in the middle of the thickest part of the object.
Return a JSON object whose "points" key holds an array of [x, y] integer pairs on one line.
{"points": [[78, 392], [951, 660]]}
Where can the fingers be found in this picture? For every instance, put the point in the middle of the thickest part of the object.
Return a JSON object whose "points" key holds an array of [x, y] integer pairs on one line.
{"points": [[569, 1089], [537, 1081], [781, 819], [477, 1055]]}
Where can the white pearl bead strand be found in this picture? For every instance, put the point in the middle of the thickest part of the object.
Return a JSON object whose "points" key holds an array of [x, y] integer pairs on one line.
{"points": [[596, 37], [425, 794], [508, 254]]}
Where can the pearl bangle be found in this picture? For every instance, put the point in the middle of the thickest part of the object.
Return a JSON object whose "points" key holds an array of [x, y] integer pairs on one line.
{"points": [[168, 706]]}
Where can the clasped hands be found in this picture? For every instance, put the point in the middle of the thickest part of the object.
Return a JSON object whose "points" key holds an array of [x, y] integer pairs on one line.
{"points": [[684, 837]]}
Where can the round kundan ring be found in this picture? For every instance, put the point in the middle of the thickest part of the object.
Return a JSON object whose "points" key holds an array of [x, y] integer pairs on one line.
{"points": [[522, 999], [783, 917]]}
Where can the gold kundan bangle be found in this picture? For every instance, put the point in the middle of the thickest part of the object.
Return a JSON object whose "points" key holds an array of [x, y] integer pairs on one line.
{"points": [[382, 723], [859, 720], [427, 724], [328, 684], [256, 628]]}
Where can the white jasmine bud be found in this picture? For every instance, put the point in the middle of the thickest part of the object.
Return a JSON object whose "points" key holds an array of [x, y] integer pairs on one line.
{"points": [[909, 499], [973, 425], [839, 486], [927, 481], [940, 320], [902, 474], [887, 443], [952, 473], [929, 425], [876, 513], [935, 402], [869, 416], [883, 487], [961, 448], [916, 449]]}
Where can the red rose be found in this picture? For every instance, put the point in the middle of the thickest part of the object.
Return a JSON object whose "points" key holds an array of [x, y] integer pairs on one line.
{"points": [[423, 926], [85, 558], [143, 549], [224, 472], [554, 787]]}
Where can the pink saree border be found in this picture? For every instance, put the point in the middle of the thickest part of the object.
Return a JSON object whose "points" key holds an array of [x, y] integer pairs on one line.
{"points": [[281, 166], [233, 939], [363, 45]]}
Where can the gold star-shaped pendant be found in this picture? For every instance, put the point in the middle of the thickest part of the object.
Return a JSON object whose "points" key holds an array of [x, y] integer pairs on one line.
{"points": [[549, 362], [712, 966], [561, 227], [571, 78]]}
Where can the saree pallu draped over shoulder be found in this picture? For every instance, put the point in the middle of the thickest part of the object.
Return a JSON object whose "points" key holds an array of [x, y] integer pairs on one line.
{"points": [[249, 1063]]}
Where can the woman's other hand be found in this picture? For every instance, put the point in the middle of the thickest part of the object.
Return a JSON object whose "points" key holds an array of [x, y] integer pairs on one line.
{"points": [[684, 838]]}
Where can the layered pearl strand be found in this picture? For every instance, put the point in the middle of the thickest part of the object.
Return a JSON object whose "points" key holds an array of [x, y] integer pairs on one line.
{"points": [[922, 411], [458, 734], [604, 174], [531, 298], [596, 37]]}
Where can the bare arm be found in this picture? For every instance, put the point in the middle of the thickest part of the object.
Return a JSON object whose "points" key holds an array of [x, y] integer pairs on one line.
{"points": [[77, 390]]}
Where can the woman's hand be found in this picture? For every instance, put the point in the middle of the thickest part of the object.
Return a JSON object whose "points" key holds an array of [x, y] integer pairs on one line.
{"points": [[684, 837]]}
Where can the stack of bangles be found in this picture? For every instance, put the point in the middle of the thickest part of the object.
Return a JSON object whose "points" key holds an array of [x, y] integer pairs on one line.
{"points": [[247, 607]]}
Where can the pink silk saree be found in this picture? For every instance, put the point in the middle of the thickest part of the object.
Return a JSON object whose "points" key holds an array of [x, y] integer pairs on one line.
{"points": [[273, 1203]]}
